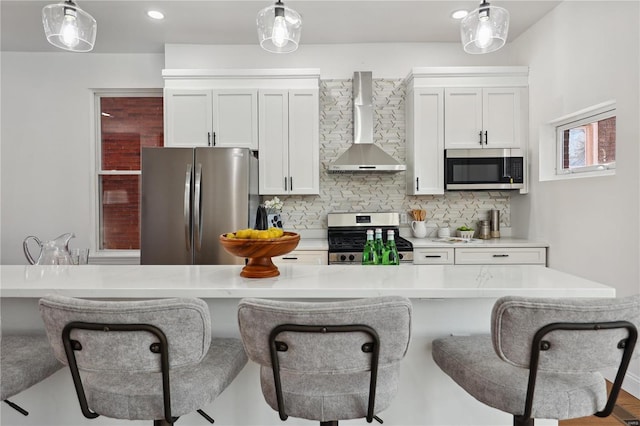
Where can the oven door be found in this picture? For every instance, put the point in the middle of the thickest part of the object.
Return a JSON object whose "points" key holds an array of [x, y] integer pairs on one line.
{"points": [[483, 169]]}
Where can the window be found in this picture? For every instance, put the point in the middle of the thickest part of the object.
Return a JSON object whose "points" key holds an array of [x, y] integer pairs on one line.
{"points": [[584, 144], [126, 122]]}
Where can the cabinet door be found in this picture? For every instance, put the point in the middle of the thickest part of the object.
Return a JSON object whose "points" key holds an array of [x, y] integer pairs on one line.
{"points": [[273, 124], [235, 118], [188, 120], [304, 142], [501, 117], [462, 118], [501, 256], [433, 256], [303, 257], [425, 141]]}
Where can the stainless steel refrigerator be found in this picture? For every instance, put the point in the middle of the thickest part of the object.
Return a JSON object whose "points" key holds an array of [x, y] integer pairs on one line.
{"points": [[189, 197]]}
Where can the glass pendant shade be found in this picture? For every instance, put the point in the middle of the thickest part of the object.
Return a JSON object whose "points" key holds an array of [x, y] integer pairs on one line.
{"points": [[485, 29], [69, 27], [279, 28]]}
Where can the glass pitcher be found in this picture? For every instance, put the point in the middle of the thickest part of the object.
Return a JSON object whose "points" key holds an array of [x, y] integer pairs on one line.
{"points": [[54, 252]]}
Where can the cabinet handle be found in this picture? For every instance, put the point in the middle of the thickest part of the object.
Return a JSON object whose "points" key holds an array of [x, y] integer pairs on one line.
{"points": [[500, 255], [433, 256], [285, 183], [486, 137], [290, 183], [289, 258], [214, 138], [417, 184], [209, 138], [480, 134]]}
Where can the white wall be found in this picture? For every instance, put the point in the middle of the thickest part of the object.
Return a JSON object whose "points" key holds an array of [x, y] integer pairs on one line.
{"points": [[46, 139], [581, 54]]}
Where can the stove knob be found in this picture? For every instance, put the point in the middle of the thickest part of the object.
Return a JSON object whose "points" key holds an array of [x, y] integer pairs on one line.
{"points": [[351, 257], [343, 257], [400, 256]]}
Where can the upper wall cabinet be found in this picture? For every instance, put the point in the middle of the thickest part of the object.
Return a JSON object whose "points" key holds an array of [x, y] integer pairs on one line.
{"points": [[483, 117], [424, 118], [289, 155], [219, 118], [219, 108], [461, 107]]}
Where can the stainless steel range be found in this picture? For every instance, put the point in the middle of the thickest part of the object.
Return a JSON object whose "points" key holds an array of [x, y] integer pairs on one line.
{"points": [[347, 235]]}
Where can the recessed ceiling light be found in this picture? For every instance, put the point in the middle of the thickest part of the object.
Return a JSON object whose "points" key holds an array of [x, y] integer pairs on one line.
{"points": [[155, 14], [459, 14]]}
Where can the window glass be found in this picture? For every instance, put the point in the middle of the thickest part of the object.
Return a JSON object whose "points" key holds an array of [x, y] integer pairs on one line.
{"points": [[126, 124], [592, 144]]}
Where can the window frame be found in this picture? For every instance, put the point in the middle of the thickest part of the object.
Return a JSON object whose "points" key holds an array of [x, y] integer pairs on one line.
{"points": [[552, 140], [108, 256]]}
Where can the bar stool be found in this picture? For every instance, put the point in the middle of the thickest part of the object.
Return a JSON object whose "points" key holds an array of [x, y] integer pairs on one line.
{"points": [[25, 360], [327, 361], [141, 360], [543, 357]]}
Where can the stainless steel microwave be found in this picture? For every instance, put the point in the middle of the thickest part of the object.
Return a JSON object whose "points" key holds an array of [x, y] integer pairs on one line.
{"points": [[483, 169]]}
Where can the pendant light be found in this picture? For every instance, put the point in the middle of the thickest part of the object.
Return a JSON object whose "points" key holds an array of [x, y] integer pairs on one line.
{"points": [[279, 28], [485, 29], [69, 27]]}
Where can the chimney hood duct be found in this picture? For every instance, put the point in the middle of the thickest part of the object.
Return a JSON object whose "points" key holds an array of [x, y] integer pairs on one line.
{"points": [[363, 155]]}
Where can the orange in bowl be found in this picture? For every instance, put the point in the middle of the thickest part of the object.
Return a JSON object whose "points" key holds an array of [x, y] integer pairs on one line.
{"points": [[259, 252]]}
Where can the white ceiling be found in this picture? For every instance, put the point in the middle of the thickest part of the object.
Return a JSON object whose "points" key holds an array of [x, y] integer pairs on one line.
{"points": [[123, 26]]}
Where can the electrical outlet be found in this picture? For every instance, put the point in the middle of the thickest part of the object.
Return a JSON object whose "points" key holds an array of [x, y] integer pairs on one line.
{"points": [[404, 219]]}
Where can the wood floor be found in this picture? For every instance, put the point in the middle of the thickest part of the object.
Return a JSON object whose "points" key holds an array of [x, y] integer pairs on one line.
{"points": [[625, 400]]}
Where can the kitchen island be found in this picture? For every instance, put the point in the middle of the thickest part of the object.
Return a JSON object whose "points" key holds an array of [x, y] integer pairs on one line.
{"points": [[446, 300]]}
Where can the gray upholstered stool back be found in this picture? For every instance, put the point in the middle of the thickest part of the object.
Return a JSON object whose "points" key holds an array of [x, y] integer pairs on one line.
{"points": [[515, 320], [325, 376], [185, 322]]}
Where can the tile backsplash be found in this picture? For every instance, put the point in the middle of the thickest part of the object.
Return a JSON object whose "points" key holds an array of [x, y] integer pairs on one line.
{"points": [[378, 191]]}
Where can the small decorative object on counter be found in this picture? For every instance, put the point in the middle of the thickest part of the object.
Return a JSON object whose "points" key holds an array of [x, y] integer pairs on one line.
{"points": [[273, 208], [379, 245], [495, 223], [444, 232], [485, 231], [465, 232], [419, 229], [390, 252], [369, 254]]}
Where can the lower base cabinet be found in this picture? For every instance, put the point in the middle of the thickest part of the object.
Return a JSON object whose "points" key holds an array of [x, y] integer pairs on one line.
{"points": [[303, 257], [480, 256]]}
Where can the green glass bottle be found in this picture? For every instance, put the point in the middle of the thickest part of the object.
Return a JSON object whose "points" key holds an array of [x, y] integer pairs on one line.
{"points": [[369, 255], [379, 245], [390, 254]]}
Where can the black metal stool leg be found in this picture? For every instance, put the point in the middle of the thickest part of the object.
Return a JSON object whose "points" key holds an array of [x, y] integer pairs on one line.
{"points": [[162, 422], [519, 421], [330, 423], [16, 407]]}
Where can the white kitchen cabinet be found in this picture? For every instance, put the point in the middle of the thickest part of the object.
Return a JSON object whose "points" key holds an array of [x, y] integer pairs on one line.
{"points": [[433, 256], [204, 117], [424, 118], [501, 256], [303, 257], [289, 153], [484, 117]]}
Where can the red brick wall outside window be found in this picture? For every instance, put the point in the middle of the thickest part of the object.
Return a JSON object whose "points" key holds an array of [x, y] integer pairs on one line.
{"points": [[126, 125]]}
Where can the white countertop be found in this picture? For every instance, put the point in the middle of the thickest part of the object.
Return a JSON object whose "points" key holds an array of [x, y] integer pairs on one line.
{"points": [[296, 281], [433, 242]]}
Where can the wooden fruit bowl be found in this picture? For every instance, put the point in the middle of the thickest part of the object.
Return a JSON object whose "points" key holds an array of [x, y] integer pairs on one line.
{"points": [[259, 252]]}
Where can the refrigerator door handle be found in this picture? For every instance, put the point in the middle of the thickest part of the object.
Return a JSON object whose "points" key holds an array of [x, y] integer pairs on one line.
{"points": [[197, 206], [187, 207]]}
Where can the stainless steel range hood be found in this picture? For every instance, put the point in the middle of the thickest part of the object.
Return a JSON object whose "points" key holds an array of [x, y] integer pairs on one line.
{"points": [[363, 155]]}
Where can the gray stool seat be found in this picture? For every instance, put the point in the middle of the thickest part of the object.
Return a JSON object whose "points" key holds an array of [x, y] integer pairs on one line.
{"points": [[473, 364], [144, 359], [323, 364], [544, 356], [25, 360], [138, 396]]}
